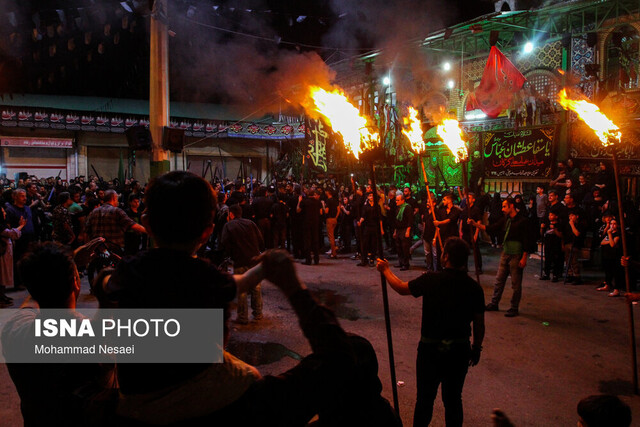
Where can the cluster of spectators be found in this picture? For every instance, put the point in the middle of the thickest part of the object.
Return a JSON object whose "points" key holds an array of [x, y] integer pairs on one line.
{"points": [[70, 213], [579, 218]]}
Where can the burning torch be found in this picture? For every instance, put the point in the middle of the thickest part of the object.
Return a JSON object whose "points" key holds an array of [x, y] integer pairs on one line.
{"points": [[414, 133], [363, 141], [451, 135], [609, 135]]}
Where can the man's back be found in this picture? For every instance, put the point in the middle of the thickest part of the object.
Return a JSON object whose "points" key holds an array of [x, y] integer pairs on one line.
{"points": [[450, 299], [242, 240], [109, 222]]}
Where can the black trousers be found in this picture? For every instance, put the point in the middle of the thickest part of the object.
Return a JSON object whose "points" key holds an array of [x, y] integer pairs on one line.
{"points": [[403, 244], [311, 239], [477, 256], [440, 364], [553, 255], [369, 242], [264, 224]]}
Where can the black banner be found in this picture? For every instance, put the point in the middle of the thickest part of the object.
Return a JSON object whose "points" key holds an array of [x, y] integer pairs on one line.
{"points": [[586, 145], [318, 137], [523, 153]]}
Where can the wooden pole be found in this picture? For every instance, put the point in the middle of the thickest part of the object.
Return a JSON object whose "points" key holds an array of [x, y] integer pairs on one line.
{"points": [[433, 207], [385, 297], [632, 333], [465, 185]]}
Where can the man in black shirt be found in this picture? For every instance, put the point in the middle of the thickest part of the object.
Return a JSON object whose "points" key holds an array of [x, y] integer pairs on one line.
{"points": [[279, 218], [369, 223], [242, 241], [402, 231], [310, 207], [262, 210], [466, 230], [451, 302]]}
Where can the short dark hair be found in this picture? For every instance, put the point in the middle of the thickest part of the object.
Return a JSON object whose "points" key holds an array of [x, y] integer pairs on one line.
{"points": [[48, 272], [63, 197], [236, 210], [134, 196], [510, 200], [604, 410], [180, 206], [553, 192], [457, 251]]}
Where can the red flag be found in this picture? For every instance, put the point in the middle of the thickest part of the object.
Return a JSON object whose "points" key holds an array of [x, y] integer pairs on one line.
{"points": [[500, 80]]}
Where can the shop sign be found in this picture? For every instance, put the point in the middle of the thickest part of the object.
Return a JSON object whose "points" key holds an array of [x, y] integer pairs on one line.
{"points": [[37, 142]]}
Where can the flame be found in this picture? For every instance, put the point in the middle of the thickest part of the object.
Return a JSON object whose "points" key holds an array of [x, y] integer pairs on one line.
{"points": [[451, 134], [605, 129], [344, 119], [414, 133]]}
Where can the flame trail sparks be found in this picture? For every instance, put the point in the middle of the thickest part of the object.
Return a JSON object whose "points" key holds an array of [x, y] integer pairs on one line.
{"points": [[451, 134], [414, 133], [344, 119], [605, 129]]}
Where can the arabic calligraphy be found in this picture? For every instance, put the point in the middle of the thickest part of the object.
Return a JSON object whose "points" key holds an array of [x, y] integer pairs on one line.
{"points": [[524, 152], [318, 145]]}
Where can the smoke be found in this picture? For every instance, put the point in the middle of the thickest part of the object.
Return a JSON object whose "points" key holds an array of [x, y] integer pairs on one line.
{"points": [[234, 68], [395, 28], [247, 66]]}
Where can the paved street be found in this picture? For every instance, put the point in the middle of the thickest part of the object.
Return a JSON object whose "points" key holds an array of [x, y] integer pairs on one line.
{"points": [[568, 342]]}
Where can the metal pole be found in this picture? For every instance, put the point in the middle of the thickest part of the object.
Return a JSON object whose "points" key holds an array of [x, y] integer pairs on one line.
{"points": [[634, 360], [385, 297]]}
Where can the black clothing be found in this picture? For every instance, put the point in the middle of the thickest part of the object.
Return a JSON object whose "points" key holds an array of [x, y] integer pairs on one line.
{"points": [[403, 243], [279, 213], [242, 240], [134, 242], [370, 230], [338, 381], [553, 255], [165, 278], [450, 300], [467, 229], [450, 229], [332, 204], [310, 207], [476, 215], [262, 207]]}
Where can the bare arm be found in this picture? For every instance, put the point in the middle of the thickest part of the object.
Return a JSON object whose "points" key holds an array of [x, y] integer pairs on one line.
{"points": [[478, 329], [249, 279], [398, 285], [138, 229]]}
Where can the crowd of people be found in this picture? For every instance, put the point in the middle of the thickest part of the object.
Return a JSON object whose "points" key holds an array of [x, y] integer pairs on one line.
{"points": [[233, 226]]}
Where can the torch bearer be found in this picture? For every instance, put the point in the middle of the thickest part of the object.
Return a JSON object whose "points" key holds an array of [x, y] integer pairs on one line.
{"points": [[360, 140], [610, 136], [414, 133], [451, 134]]}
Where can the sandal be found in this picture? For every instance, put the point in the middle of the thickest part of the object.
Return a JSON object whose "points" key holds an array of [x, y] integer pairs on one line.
{"points": [[615, 293]]}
